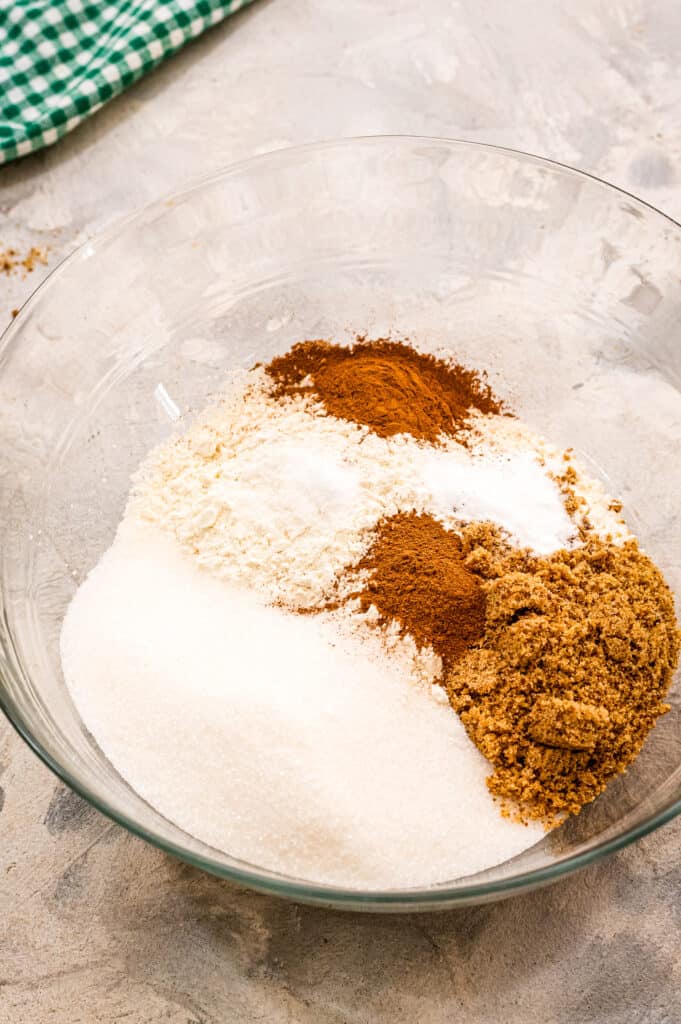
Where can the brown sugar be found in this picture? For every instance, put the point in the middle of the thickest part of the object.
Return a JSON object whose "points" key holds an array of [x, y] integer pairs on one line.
{"points": [[385, 385], [571, 672], [416, 577], [567, 724]]}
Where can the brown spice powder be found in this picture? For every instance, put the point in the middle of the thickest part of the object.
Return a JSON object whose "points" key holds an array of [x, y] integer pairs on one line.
{"points": [[10, 260], [571, 672], [385, 385], [417, 578]]}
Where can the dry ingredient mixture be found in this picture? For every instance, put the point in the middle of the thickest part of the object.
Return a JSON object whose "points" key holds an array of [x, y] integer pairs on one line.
{"points": [[349, 568]]}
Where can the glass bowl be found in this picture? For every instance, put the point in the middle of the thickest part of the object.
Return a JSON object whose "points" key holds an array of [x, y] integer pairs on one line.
{"points": [[567, 290]]}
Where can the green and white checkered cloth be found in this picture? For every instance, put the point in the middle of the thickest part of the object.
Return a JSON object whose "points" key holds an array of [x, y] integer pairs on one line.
{"points": [[61, 60]]}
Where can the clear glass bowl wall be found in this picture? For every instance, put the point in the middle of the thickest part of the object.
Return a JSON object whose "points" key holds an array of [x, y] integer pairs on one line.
{"points": [[567, 291]]}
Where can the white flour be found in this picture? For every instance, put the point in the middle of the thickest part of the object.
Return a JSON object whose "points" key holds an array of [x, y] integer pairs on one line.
{"points": [[282, 498]]}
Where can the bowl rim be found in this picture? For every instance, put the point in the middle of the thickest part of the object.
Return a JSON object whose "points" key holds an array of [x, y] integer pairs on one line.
{"points": [[260, 879]]}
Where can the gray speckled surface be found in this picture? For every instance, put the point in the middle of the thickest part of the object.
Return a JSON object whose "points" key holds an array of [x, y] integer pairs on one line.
{"points": [[94, 925]]}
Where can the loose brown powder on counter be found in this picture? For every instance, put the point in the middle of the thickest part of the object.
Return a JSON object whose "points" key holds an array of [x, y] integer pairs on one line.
{"points": [[571, 672], [416, 576], [11, 260], [385, 385], [8, 260]]}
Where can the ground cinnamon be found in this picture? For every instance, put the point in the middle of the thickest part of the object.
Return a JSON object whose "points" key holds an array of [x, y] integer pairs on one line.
{"points": [[416, 577], [385, 385]]}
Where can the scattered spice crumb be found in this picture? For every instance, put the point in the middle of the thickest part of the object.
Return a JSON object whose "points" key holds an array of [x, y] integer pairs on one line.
{"points": [[8, 260], [11, 260], [566, 482], [15, 312]]}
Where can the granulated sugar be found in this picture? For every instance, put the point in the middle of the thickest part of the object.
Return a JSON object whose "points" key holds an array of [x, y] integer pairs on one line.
{"points": [[282, 739]]}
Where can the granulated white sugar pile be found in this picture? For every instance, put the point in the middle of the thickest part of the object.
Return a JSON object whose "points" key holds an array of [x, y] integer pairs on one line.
{"points": [[318, 745], [282, 739]]}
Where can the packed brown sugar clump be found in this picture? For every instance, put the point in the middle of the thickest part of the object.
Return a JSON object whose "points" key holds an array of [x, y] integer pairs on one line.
{"points": [[571, 671], [385, 385]]}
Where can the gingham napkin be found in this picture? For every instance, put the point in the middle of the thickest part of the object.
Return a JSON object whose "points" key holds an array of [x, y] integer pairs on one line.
{"points": [[61, 60]]}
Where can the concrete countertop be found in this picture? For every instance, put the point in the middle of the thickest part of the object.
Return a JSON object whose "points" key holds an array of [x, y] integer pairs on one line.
{"points": [[95, 926]]}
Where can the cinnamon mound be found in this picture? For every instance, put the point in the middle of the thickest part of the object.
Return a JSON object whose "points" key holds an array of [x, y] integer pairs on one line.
{"points": [[417, 577], [385, 385]]}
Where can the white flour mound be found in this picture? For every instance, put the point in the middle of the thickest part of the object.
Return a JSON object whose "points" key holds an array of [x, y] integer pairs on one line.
{"points": [[281, 739], [281, 497]]}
